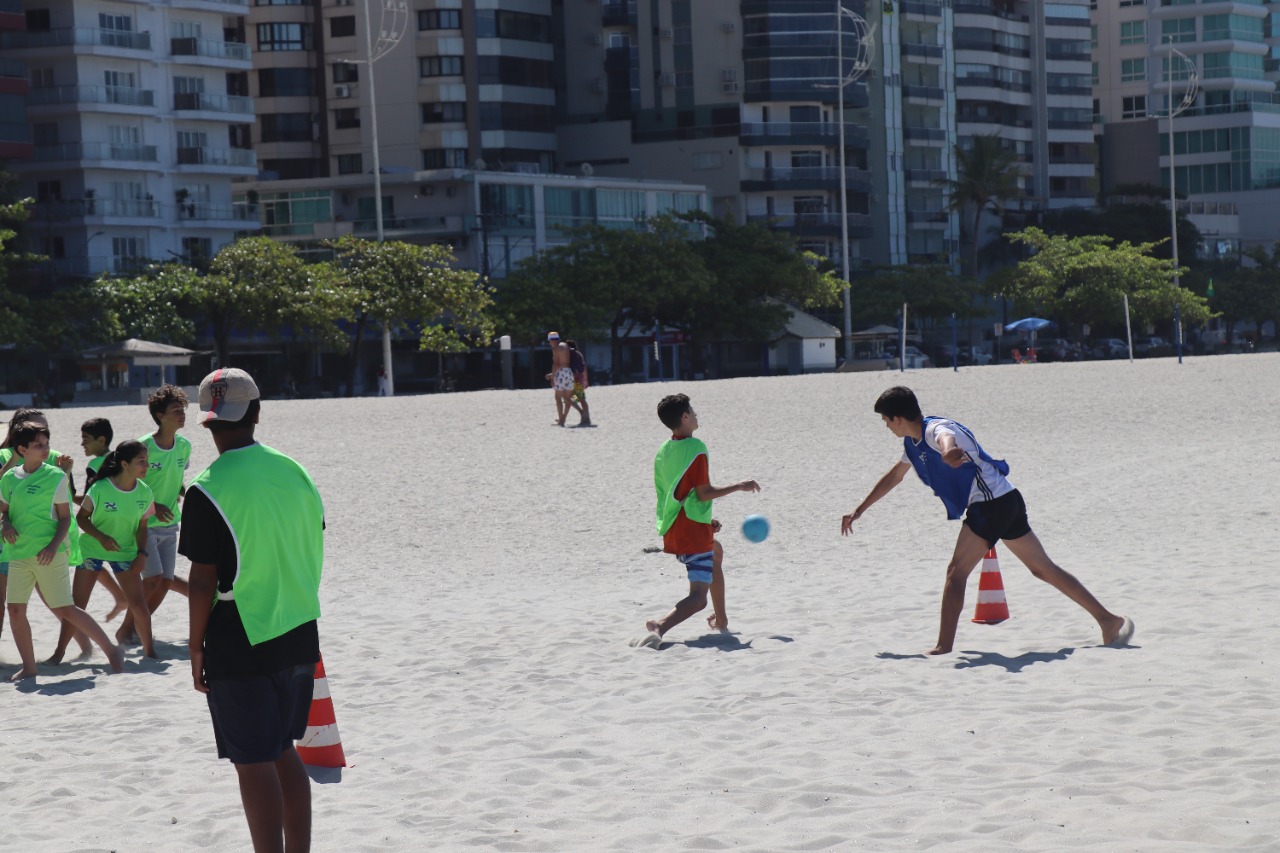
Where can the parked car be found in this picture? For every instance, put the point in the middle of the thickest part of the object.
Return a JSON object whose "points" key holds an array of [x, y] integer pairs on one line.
{"points": [[915, 358], [1152, 347], [1110, 348], [1057, 349]]}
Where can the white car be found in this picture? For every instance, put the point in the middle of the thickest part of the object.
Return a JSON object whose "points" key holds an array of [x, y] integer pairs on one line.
{"points": [[914, 359]]}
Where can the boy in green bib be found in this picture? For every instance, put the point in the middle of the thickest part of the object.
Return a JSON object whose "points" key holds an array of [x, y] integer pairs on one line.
{"points": [[35, 517], [96, 436], [681, 478]]}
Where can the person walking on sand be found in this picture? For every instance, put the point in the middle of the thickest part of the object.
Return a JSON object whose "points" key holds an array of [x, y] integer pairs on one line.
{"points": [[35, 517], [949, 460], [254, 532], [681, 478], [578, 398], [561, 376]]}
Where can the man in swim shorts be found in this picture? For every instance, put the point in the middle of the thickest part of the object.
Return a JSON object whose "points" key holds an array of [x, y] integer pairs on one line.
{"points": [[561, 376]]}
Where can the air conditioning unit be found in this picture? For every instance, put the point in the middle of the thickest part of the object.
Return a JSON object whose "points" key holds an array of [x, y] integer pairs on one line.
{"points": [[342, 90], [596, 39], [596, 84], [729, 26], [729, 88], [666, 78], [729, 75], [667, 33]]}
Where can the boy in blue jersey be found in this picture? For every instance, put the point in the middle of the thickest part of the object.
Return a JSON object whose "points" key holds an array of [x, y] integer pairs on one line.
{"points": [[949, 460]]}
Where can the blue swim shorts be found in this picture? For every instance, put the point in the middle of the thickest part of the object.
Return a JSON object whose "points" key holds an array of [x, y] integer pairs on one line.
{"points": [[92, 564], [699, 565]]}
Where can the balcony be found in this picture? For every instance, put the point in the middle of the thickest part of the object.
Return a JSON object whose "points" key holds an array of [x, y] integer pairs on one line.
{"points": [[805, 178], [413, 224], [919, 92], [199, 211], [816, 224], [815, 89], [928, 217], [988, 7], [917, 7], [213, 103], [210, 49], [118, 96], [929, 176], [235, 158], [802, 133], [76, 37], [106, 152], [60, 210], [618, 13], [920, 133], [922, 49]]}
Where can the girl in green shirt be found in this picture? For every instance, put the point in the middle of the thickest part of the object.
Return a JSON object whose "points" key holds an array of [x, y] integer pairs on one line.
{"points": [[113, 519]]}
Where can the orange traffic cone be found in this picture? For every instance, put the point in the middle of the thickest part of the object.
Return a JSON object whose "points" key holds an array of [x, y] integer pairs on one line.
{"points": [[992, 607], [320, 745]]}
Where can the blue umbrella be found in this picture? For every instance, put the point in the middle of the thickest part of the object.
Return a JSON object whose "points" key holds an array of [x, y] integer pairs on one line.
{"points": [[1028, 324]]}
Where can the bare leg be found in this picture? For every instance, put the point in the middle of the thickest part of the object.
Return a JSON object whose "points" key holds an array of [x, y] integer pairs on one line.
{"points": [[81, 589], [86, 623], [277, 804], [156, 596], [719, 618], [969, 550], [180, 586], [1029, 550], [562, 406], [696, 600], [131, 582], [107, 581], [585, 410], [4, 592], [21, 629], [295, 786]]}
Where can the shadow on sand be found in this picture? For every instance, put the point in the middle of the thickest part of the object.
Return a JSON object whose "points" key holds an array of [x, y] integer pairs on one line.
{"points": [[724, 642], [1014, 664], [324, 775]]}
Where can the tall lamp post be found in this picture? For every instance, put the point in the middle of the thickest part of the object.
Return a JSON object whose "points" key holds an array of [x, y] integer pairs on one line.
{"points": [[392, 25], [1188, 99], [860, 64]]}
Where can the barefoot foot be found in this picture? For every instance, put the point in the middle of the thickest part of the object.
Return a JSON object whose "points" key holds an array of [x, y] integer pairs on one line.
{"points": [[21, 675], [1119, 632], [120, 607], [116, 658], [653, 627], [938, 650], [721, 625], [55, 658]]}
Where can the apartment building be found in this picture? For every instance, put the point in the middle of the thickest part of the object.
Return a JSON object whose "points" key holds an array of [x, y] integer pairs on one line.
{"points": [[139, 115], [15, 135], [739, 97]]}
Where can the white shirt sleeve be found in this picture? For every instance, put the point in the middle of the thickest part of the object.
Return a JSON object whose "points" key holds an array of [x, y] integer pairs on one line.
{"points": [[62, 493], [86, 504]]}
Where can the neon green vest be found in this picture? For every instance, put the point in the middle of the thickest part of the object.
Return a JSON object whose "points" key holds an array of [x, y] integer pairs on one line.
{"points": [[277, 522], [166, 469], [672, 461], [74, 557], [116, 514], [31, 513]]}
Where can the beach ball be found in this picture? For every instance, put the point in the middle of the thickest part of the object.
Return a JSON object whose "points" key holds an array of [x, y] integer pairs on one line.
{"points": [[755, 528]]}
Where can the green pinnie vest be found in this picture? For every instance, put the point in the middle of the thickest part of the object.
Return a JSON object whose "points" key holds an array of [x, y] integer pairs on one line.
{"points": [[276, 520], [669, 466]]}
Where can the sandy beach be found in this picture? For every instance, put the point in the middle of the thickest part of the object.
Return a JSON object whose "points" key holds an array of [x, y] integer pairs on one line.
{"points": [[486, 570]]}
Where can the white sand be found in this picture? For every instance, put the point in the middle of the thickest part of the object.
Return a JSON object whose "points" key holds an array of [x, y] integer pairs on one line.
{"points": [[485, 574]]}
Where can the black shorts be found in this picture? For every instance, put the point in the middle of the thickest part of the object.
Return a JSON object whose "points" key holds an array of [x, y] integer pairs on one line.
{"points": [[1004, 517], [257, 718]]}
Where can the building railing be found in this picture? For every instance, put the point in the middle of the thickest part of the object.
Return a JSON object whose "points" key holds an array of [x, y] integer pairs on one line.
{"points": [[925, 174], [406, 223], [917, 90], [120, 95], [95, 151], [201, 210], [212, 102], [808, 173], [77, 36], [987, 7], [799, 221], [210, 47], [217, 157], [912, 131], [783, 130]]}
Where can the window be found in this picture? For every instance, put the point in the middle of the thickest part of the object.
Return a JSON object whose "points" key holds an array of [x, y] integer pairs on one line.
{"points": [[286, 127], [439, 19], [127, 253], [1178, 30], [444, 158], [513, 25], [445, 112], [1093, 77], [346, 118], [1133, 32], [1093, 36], [1133, 70], [1133, 107], [280, 37], [285, 82], [344, 25], [440, 66], [516, 71], [48, 190], [806, 159], [346, 72], [197, 249], [42, 78], [350, 164], [38, 21], [1124, 3], [278, 2]]}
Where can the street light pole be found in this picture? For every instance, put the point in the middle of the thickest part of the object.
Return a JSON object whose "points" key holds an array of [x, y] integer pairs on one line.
{"points": [[1188, 99], [861, 64], [389, 35]]}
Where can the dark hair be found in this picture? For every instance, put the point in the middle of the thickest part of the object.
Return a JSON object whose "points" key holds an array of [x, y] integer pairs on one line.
{"points": [[672, 408], [20, 417], [26, 433], [98, 428], [246, 422], [572, 343], [899, 402], [125, 452], [162, 397]]}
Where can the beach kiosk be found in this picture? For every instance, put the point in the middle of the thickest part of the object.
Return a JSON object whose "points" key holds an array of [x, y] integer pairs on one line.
{"points": [[128, 371]]}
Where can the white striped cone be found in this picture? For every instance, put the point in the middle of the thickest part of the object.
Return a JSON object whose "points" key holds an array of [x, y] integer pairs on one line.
{"points": [[320, 745], [992, 607]]}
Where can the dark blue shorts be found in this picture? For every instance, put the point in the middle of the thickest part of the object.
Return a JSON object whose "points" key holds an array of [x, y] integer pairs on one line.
{"points": [[1004, 517], [255, 719]]}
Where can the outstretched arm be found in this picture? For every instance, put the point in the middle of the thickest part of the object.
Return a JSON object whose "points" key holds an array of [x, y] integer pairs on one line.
{"points": [[708, 492], [886, 484]]}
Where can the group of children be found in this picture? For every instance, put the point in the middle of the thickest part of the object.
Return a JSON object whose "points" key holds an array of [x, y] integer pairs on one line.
{"points": [[945, 456], [120, 532]]}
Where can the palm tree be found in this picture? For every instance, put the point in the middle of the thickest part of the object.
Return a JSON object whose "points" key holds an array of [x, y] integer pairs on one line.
{"points": [[987, 177]]}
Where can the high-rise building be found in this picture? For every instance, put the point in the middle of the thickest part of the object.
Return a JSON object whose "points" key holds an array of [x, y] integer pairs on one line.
{"points": [[15, 135], [740, 97], [139, 114]]}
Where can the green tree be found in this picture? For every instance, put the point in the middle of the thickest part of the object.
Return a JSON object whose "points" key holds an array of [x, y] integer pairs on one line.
{"points": [[933, 291], [986, 179], [1242, 292], [13, 302], [1085, 279], [401, 284], [156, 305]]}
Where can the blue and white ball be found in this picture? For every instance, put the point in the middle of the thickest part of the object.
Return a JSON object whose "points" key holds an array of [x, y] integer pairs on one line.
{"points": [[755, 528]]}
